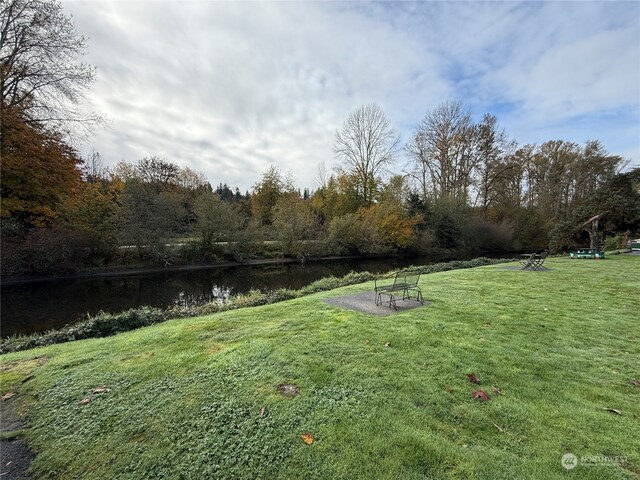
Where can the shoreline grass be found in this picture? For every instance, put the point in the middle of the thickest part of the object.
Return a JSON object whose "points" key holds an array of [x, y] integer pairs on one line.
{"points": [[383, 397], [105, 324]]}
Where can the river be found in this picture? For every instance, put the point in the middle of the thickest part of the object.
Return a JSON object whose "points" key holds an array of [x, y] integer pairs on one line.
{"points": [[42, 305]]}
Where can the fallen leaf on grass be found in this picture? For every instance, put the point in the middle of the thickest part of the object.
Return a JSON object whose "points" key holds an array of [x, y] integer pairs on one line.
{"points": [[472, 378], [85, 401], [101, 389], [496, 391], [449, 388], [635, 383], [612, 410], [8, 395], [307, 438], [263, 410], [480, 394]]}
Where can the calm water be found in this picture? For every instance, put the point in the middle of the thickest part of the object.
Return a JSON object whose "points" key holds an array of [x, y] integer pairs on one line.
{"points": [[40, 306]]}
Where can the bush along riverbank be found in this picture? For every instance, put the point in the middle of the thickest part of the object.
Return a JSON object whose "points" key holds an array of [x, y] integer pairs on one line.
{"points": [[106, 324]]}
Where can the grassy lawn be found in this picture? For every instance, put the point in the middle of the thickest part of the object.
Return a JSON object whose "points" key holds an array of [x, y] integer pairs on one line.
{"points": [[383, 397]]}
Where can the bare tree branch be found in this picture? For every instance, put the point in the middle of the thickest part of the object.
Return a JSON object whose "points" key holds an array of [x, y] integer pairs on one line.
{"points": [[365, 144], [39, 69]]}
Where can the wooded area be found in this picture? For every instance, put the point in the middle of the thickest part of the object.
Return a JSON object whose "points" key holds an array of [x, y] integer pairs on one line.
{"points": [[466, 188]]}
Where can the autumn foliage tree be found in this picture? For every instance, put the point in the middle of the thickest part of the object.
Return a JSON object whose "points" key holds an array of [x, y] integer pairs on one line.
{"points": [[96, 212], [294, 223], [39, 171]]}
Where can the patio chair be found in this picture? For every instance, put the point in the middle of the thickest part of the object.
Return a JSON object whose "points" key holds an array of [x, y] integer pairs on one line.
{"points": [[535, 261]]}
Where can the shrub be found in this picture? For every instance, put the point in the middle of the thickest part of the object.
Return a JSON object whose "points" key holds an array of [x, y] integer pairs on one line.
{"points": [[615, 243], [45, 251], [101, 325]]}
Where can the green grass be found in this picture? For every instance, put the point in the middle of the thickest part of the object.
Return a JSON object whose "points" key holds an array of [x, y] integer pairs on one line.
{"points": [[185, 396]]}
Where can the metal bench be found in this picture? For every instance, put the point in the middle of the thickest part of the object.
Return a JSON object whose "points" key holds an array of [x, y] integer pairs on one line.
{"points": [[403, 281], [534, 261]]}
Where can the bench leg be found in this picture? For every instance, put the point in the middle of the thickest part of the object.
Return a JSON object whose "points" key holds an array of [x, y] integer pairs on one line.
{"points": [[406, 295], [392, 301]]}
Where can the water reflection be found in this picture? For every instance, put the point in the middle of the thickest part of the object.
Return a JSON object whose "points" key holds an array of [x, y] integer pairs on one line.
{"points": [[217, 293], [40, 306]]}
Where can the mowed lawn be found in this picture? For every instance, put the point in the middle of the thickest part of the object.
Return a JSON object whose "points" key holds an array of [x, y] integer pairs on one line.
{"points": [[383, 397]]}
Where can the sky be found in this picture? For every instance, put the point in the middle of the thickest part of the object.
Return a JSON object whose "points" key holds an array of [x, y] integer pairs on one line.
{"points": [[230, 88]]}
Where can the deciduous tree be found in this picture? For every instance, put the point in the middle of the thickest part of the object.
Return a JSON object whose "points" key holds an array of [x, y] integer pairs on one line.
{"points": [[443, 148], [217, 220], [266, 194], [40, 74], [39, 171], [365, 144], [294, 223]]}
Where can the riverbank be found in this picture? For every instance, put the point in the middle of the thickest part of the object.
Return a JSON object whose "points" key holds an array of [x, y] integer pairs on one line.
{"points": [[31, 307], [123, 270], [303, 389], [108, 323]]}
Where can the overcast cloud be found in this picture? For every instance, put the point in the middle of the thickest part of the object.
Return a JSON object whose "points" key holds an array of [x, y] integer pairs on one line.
{"points": [[228, 88]]}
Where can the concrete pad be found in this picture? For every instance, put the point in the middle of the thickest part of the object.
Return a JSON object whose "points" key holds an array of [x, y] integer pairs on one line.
{"points": [[365, 303], [511, 267]]}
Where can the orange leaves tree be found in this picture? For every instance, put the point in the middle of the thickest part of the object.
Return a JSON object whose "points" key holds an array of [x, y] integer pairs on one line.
{"points": [[39, 171], [380, 228]]}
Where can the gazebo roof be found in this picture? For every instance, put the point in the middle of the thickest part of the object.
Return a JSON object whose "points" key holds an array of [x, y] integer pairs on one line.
{"points": [[593, 219]]}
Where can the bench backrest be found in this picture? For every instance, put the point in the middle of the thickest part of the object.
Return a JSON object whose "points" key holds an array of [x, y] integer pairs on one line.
{"points": [[398, 279], [411, 278]]}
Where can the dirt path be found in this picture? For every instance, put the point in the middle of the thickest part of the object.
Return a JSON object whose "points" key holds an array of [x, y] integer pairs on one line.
{"points": [[15, 456]]}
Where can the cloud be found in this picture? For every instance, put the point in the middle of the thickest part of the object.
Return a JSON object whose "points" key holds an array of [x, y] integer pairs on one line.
{"points": [[229, 88]]}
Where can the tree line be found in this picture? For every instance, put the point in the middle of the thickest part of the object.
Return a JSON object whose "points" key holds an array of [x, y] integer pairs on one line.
{"points": [[477, 193], [466, 187]]}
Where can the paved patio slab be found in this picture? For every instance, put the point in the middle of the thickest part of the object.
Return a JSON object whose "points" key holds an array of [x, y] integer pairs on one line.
{"points": [[365, 303], [511, 267]]}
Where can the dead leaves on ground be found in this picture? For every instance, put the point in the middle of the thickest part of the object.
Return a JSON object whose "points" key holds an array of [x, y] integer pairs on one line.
{"points": [[472, 378], [481, 395], [307, 438], [10, 394], [96, 391]]}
